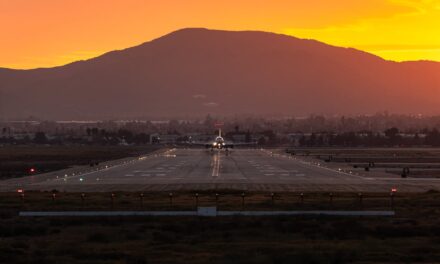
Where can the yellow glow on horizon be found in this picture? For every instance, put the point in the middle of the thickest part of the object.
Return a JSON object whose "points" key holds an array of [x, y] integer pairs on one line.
{"points": [[49, 33], [413, 35]]}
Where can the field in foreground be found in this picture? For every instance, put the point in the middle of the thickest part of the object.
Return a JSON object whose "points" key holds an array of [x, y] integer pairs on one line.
{"points": [[16, 161], [407, 162], [412, 236]]}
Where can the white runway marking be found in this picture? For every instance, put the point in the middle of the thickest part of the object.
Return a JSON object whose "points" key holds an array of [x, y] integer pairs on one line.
{"points": [[215, 165], [247, 167]]}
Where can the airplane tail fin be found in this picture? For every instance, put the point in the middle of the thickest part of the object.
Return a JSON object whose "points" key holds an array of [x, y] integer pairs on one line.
{"points": [[219, 132]]}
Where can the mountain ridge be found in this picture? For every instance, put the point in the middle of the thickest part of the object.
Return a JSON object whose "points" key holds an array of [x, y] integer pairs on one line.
{"points": [[207, 29], [235, 71]]}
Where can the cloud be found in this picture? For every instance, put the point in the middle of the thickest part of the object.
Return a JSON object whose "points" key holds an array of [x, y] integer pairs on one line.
{"points": [[211, 104], [199, 96]]}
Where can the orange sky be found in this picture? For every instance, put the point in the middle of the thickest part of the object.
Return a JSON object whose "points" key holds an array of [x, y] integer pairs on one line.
{"points": [[47, 33]]}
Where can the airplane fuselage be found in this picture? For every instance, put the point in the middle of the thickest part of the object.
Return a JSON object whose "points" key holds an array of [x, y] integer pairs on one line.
{"points": [[218, 143]]}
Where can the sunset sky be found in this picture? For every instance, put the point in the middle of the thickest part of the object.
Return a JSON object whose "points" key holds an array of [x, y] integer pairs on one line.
{"points": [[48, 33]]}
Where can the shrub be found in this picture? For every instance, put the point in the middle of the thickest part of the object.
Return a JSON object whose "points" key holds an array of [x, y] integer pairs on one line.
{"points": [[98, 238]]}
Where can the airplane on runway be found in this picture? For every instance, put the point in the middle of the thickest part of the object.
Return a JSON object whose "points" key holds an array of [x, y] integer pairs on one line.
{"points": [[220, 143]]}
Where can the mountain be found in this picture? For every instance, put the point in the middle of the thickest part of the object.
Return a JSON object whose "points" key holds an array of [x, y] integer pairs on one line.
{"points": [[198, 71]]}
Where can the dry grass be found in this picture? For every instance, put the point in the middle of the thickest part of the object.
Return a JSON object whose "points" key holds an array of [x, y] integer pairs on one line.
{"points": [[16, 160], [412, 236]]}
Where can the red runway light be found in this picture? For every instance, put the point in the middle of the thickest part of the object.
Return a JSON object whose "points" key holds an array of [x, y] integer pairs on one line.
{"points": [[20, 190], [31, 170], [394, 190]]}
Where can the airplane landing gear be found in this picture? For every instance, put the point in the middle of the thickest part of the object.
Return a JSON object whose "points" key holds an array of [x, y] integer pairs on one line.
{"points": [[228, 152]]}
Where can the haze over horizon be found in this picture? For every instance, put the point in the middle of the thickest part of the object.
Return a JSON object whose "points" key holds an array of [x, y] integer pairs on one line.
{"points": [[51, 33]]}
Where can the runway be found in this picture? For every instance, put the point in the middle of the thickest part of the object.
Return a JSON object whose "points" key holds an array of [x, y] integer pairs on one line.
{"points": [[200, 169]]}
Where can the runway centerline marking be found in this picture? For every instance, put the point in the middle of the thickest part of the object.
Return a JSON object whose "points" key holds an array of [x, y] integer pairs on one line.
{"points": [[216, 165]]}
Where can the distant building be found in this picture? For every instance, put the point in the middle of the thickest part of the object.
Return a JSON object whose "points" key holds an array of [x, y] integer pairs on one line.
{"points": [[164, 139], [23, 135], [294, 138]]}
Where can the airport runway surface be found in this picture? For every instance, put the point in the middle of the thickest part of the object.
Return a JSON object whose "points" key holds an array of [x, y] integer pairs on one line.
{"points": [[200, 169]]}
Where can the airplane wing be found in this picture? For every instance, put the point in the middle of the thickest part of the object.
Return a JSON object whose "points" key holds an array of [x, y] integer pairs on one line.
{"points": [[197, 144], [232, 144]]}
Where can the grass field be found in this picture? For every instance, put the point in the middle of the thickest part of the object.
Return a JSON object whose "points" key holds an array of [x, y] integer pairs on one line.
{"points": [[420, 162], [15, 161], [412, 236]]}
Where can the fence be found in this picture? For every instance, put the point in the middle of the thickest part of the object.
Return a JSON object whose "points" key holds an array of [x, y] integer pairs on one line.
{"points": [[185, 200]]}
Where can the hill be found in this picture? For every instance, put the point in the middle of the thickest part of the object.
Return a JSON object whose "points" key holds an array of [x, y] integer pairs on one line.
{"points": [[197, 71]]}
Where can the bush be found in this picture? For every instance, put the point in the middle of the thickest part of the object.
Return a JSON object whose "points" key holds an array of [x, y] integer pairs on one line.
{"points": [[136, 260], [98, 238], [164, 237]]}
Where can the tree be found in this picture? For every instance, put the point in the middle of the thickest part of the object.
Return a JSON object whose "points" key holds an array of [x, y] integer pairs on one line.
{"points": [[248, 137], [391, 133], [125, 134], [312, 140], [95, 131], [40, 138], [433, 138]]}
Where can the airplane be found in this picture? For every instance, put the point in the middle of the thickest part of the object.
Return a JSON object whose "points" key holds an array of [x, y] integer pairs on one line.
{"points": [[220, 143]]}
